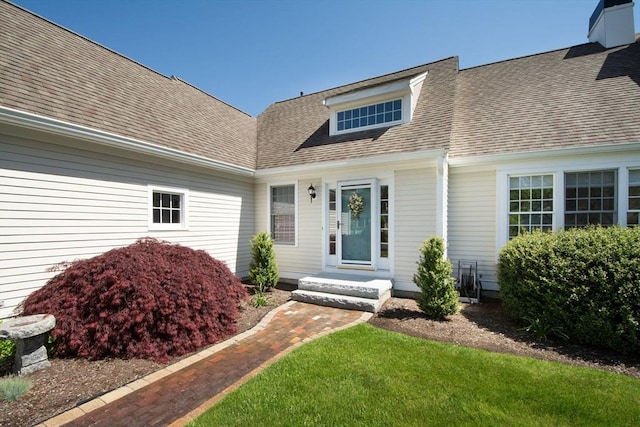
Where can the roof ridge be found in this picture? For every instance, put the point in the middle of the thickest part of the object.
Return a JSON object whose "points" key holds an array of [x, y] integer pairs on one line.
{"points": [[174, 77], [83, 37], [170, 78], [364, 80], [539, 54]]}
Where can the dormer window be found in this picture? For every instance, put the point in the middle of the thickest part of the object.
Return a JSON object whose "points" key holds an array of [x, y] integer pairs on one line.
{"points": [[375, 107], [381, 113]]}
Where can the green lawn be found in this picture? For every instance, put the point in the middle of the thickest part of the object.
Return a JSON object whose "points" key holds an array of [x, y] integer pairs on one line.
{"points": [[365, 376]]}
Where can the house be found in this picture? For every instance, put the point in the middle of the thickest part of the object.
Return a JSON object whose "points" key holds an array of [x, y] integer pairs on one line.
{"points": [[97, 151]]}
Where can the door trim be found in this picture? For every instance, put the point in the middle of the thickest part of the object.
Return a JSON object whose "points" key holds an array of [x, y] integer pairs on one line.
{"points": [[372, 184]]}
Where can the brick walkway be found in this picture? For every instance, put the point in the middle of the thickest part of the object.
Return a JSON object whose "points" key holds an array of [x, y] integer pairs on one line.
{"points": [[182, 391]]}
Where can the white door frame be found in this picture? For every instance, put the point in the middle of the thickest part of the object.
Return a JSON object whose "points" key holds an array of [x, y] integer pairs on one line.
{"points": [[372, 184]]}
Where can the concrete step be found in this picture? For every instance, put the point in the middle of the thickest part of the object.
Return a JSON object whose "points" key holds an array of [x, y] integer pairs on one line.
{"points": [[340, 301], [363, 287]]}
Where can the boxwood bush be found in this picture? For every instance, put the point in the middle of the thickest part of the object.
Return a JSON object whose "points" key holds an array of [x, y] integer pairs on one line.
{"points": [[582, 283]]}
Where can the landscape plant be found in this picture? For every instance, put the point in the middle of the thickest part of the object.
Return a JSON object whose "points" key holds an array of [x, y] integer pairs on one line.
{"points": [[392, 379], [438, 297], [263, 270], [13, 388], [7, 355], [579, 284], [151, 300]]}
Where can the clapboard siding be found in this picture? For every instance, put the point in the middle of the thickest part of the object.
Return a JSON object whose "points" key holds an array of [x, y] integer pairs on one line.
{"points": [[472, 221], [60, 203], [415, 221], [305, 257]]}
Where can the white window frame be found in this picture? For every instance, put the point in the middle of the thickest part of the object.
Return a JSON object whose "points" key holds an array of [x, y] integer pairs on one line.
{"points": [[184, 208], [407, 90], [295, 208], [625, 192], [616, 183], [530, 212], [558, 172]]}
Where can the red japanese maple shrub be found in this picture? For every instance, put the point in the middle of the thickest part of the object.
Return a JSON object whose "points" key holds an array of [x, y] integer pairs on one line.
{"points": [[151, 300]]}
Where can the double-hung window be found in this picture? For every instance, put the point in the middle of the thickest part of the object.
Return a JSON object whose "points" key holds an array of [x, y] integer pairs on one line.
{"points": [[633, 213], [568, 199], [590, 198], [530, 203], [283, 214]]}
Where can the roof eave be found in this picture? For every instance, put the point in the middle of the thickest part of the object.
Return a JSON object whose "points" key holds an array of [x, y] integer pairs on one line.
{"points": [[59, 127], [306, 168], [541, 154]]}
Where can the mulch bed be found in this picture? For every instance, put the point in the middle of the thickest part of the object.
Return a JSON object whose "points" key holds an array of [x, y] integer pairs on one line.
{"points": [[69, 382]]}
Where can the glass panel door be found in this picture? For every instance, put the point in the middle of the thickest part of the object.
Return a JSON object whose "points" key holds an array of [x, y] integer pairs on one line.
{"points": [[355, 239]]}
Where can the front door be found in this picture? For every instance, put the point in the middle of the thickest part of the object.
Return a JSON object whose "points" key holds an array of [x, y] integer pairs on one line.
{"points": [[355, 240]]}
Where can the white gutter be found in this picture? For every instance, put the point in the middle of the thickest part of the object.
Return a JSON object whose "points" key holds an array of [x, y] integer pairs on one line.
{"points": [[541, 154], [58, 127], [352, 163]]}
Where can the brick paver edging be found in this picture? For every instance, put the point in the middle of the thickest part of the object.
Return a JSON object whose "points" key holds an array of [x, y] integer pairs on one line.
{"points": [[112, 396]]}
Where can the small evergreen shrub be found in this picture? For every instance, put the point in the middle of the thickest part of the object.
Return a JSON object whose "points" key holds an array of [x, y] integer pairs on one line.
{"points": [[582, 283], [263, 270], [13, 388], [150, 300], [7, 348], [7, 355], [438, 297]]}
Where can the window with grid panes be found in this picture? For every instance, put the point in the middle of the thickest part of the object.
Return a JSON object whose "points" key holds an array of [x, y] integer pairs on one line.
{"points": [[633, 212], [166, 208], [332, 222], [590, 198], [370, 115], [530, 203], [384, 221]]}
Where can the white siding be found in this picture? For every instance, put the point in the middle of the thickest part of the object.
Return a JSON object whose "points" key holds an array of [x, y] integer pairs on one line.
{"points": [[305, 257], [415, 221], [60, 203], [472, 221]]}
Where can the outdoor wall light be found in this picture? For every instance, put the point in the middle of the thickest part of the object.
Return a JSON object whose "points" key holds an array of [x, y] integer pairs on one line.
{"points": [[312, 192]]}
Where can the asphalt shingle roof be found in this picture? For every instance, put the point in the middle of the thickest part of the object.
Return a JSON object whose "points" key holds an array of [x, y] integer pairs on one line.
{"points": [[296, 131], [48, 70], [581, 96]]}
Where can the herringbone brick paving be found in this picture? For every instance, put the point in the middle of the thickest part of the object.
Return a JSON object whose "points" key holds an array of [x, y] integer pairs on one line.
{"points": [[177, 397]]}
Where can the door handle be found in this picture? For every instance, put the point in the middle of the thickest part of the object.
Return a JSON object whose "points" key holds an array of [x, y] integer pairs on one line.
{"points": [[338, 225]]}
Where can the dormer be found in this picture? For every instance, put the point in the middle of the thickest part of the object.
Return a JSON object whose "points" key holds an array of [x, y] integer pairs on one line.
{"points": [[386, 105]]}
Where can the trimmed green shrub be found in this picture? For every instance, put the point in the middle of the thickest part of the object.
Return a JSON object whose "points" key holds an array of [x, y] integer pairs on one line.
{"points": [[438, 298], [582, 283], [263, 270]]}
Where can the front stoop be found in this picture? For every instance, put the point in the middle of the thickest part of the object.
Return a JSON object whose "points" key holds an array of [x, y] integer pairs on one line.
{"points": [[350, 292]]}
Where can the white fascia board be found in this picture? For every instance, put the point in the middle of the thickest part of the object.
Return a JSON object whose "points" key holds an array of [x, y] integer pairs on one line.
{"points": [[383, 90], [307, 168], [418, 79], [542, 154], [59, 127]]}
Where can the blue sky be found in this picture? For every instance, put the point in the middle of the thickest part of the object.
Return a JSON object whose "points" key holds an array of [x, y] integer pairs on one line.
{"points": [[251, 53]]}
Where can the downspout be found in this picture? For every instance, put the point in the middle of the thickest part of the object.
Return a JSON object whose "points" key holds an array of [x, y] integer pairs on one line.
{"points": [[442, 190]]}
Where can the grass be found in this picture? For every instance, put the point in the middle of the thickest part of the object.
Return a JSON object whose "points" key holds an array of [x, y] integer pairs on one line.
{"points": [[364, 376], [12, 388]]}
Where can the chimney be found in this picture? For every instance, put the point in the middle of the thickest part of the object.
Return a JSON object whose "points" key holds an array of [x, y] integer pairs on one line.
{"points": [[611, 23]]}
